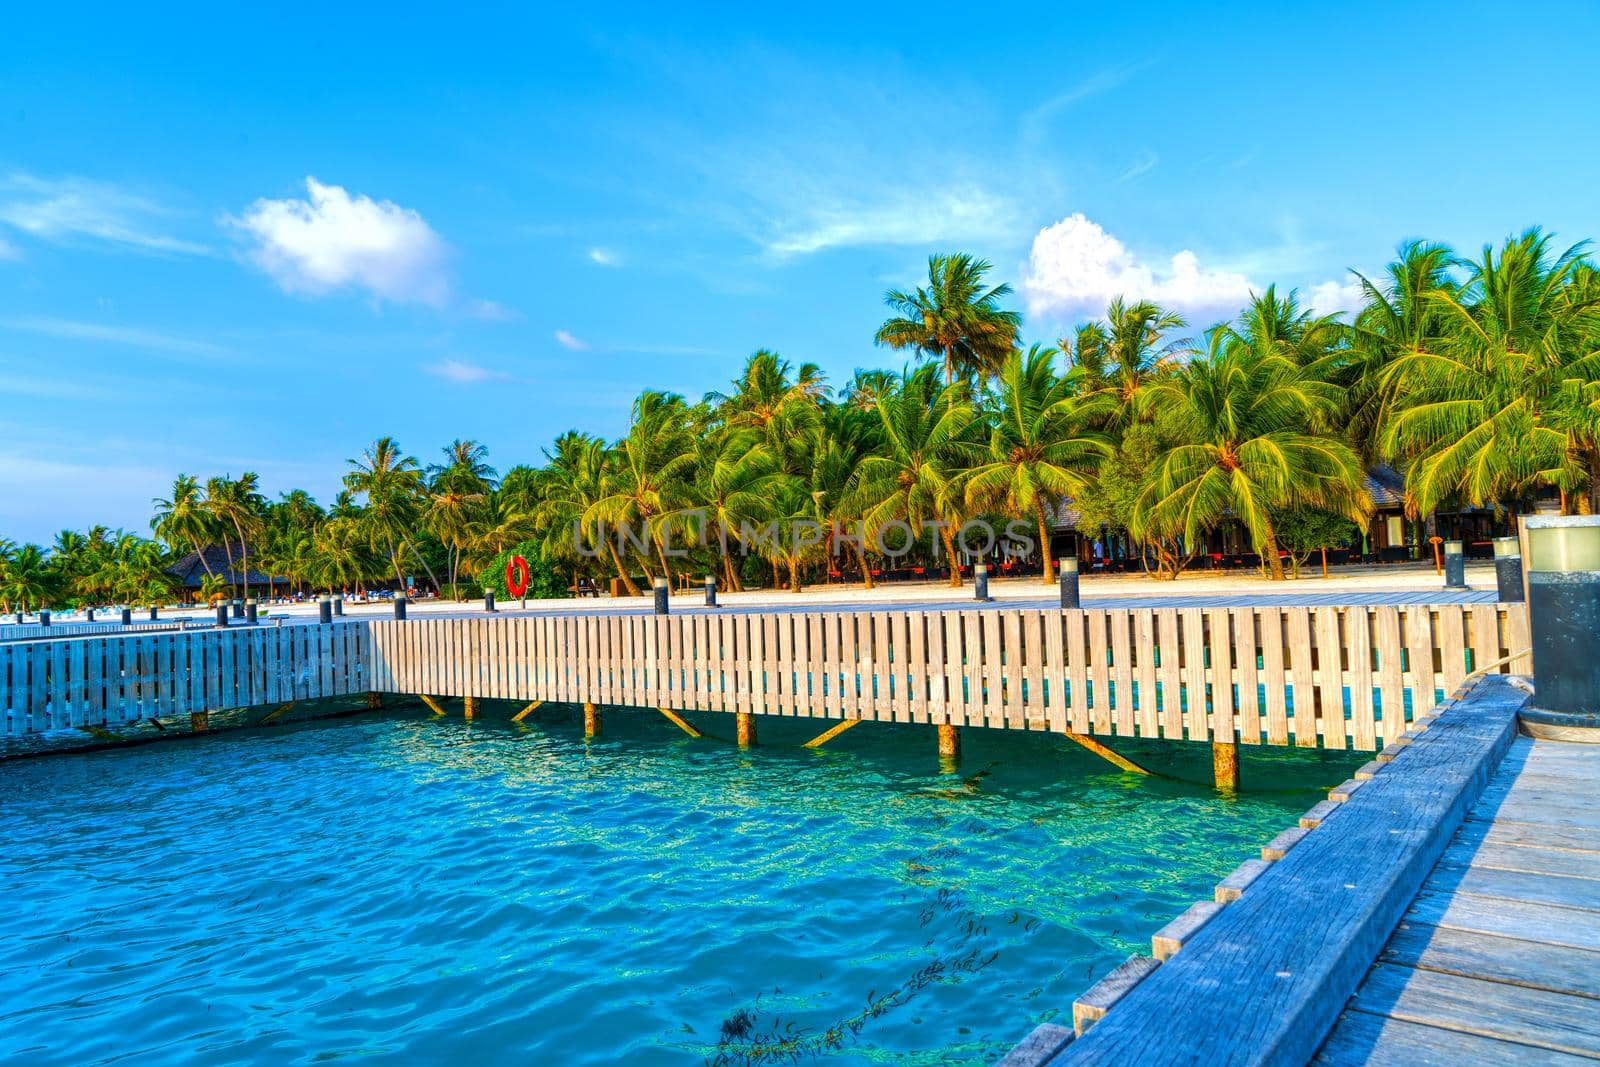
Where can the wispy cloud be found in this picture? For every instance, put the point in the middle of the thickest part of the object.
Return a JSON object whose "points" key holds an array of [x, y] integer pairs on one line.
{"points": [[333, 240], [132, 336], [567, 340], [1036, 123], [908, 217], [66, 209], [463, 373], [604, 257], [1144, 166], [489, 311]]}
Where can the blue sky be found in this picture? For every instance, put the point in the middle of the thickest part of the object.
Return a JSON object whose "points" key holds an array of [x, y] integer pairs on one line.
{"points": [[250, 241]]}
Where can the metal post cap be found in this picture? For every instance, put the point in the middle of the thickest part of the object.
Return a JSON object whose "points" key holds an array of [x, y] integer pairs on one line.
{"points": [[1507, 548]]}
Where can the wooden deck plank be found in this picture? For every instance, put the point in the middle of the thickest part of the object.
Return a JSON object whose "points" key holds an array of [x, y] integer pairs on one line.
{"points": [[1556, 968], [1377, 1041], [1535, 1017], [1547, 924]]}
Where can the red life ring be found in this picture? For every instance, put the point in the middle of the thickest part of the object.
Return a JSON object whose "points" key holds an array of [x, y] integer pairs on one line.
{"points": [[516, 576]]}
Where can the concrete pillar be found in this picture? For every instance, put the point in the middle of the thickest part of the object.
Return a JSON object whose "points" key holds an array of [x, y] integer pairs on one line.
{"points": [[1508, 569], [661, 596], [980, 581], [591, 720], [949, 742], [199, 721], [1455, 567], [1069, 583], [711, 591], [1225, 765], [1564, 617], [400, 606]]}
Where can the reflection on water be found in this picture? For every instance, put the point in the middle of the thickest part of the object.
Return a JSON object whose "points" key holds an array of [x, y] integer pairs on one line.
{"points": [[407, 889]]}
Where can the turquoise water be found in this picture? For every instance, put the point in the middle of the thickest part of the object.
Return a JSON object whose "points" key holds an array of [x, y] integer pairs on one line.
{"points": [[399, 889]]}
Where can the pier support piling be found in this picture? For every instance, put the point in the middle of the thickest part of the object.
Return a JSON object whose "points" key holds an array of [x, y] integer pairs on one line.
{"points": [[745, 724], [374, 699], [949, 743], [1225, 765], [470, 706], [199, 721], [525, 712], [830, 733], [1118, 760], [591, 720]]}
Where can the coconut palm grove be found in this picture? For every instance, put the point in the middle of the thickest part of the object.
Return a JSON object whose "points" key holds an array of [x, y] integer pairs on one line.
{"points": [[1464, 392]]}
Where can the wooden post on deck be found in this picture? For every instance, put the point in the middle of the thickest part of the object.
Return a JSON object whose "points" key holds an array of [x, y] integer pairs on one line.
{"points": [[199, 721], [591, 720], [745, 724], [470, 706], [949, 743], [1225, 765]]}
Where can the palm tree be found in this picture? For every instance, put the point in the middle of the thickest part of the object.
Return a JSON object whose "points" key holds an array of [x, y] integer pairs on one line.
{"points": [[1507, 397], [564, 498], [25, 582], [237, 502], [391, 484], [1117, 359], [644, 485], [1252, 437], [957, 318], [458, 490], [928, 447], [184, 518], [730, 488], [1041, 450]]}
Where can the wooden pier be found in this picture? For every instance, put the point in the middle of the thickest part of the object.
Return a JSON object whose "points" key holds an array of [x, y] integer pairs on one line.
{"points": [[1335, 677]]}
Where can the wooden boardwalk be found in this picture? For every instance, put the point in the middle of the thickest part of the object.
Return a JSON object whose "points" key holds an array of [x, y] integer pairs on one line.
{"points": [[1498, 960]]}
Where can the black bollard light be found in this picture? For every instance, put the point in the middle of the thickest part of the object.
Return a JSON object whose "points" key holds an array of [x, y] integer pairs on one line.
{"points": [[152, 614], [19, 618], [488, 600], [238, 608], [338, 605], [661, 596], [222, 613], [400, 606], [324, 609], [1508, 569], [980, 581], [1455, 567], [711, 591], [251, 611], [127, 616], [88, 616], [1564, 617], [1069, 583], [44, 616]]}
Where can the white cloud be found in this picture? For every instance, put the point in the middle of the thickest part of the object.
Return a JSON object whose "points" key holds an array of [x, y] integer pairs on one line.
{"points": [[333, 240], [1146, 164], [1076, 267], [463, 373], [604, 257], [489, 311], [1337, 298], [120, 335], [902, 217], [62, 209], [567, 340]]}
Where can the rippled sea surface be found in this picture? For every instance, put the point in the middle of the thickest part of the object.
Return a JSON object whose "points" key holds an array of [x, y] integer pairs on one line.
{"points": [[396, 888]]}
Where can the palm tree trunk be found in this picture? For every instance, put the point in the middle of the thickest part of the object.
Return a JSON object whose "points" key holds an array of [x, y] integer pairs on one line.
{"points": [[861, 557], [622, 571], [794, 574], [1044, 543], [201, 553], [661, 555], [730, 575], [427, 569], [949, 537], [1269, 550], [244, 551]]}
